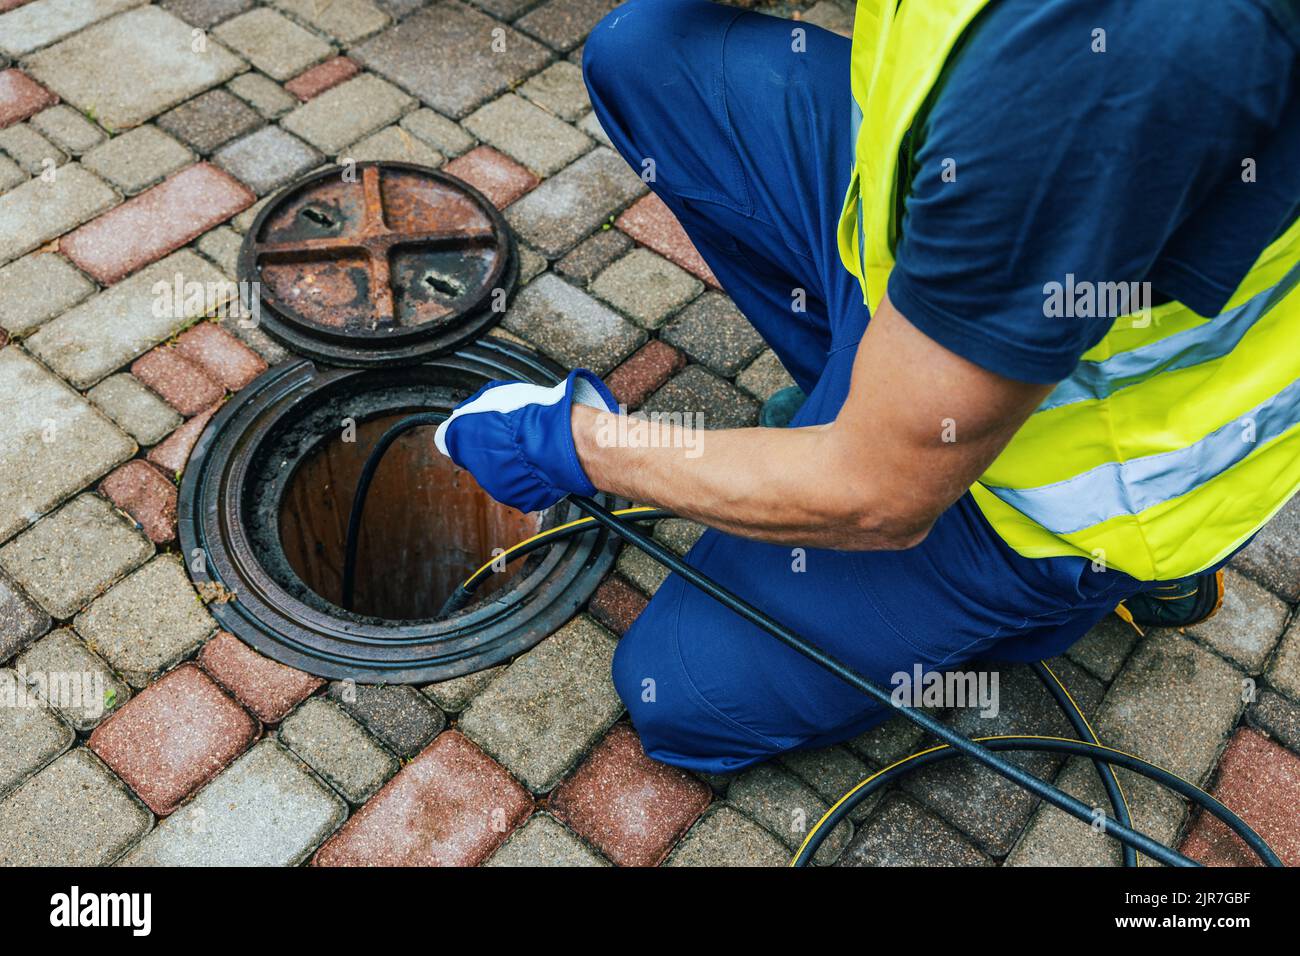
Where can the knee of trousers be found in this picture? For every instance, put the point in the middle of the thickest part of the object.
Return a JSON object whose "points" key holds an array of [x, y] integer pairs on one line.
{"points": [[625, 54]]}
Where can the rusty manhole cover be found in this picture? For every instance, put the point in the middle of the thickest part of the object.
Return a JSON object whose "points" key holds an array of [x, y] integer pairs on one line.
{"points": [[378, 263]]}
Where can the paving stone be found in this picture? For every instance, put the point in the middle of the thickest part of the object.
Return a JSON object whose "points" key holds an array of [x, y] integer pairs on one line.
{"points": [[137, 411], [210, 120], [267, 159], [644, 372], [116, 326], [223, 357], [831, 15], [318, 79], [263, 94], [715, 403], [890, 741], [725, 837], [273, 43], [148, 622], [266, 809], [641, 569], [400, 8], [570, 325], [647, 287], [831, 773], [33, 153], [394, 144], [447, 55], [155, 223], [544, 841], [72, 555], [221, 245], [528, 133], [1284, 671], [550, 705], [1270, 557], [347, 21], [143, 492], [72, 679], [1247, 626], [184, 385], [713, 331], [902, 834], [174, 737], [451, 806], [346, 113], [765, 376], [505, 9], [617, 605], [633, 809], [73, 813], [11, 174], [399, 715], [1104, 649], [34, 25], [206, 13], [68, 128], [1278, 717], [563, 24], [339, 749], [593, 254], [788, 808], [57, 445], [267, 688], [1261, 783], [559, 89], [651, 223], [575, 201], [173, 453], [453, 695], [137, 159], [40, 209], [680, 534], [438, 131], [31, 734], [128, 69], [590, 125], [21, 619], [498, 177], [37, 288]]}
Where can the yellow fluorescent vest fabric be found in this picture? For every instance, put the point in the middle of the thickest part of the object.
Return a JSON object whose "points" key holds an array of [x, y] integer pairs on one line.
{"points": [[1176, 438]]}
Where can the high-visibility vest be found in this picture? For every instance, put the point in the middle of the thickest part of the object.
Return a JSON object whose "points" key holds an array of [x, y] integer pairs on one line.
{"points": [[1176, 437]]}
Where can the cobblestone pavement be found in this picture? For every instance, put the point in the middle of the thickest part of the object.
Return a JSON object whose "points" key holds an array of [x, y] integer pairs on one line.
{"points": [[136, 141]]}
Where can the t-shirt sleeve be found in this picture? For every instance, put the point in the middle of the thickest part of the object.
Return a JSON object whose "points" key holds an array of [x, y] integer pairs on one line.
{"points": [[1044, 160]]}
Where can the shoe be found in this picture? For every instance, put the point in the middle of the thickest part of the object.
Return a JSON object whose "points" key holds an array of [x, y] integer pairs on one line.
{"points": [[1180, 603], [778, 410]]}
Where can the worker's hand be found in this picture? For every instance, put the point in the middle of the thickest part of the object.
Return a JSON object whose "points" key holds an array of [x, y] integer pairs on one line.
{"points": [[516, 439]]}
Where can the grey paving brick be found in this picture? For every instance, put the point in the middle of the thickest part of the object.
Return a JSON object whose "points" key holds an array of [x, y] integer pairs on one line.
{"points": [[831, 773], [563, 24], [394, 144], [787, 807], [593, 254], [1104, 649], [38, 210], [210, 120], [21, 619], [338, 748], [570, 325], [398, 715], [73, 554], [268, 159], [641, 569], [1270, 557], [118, 325], [1247, 626], [137, 159], [38, 287], [574, 202], [765, 376], [831, 15], [55, 442], [400, 8], [266, 809], [75, 812], [544, 841], [713, 331], [30, 150], [342, 115], [206, 13], [63, 125], [445, 55], [347, 21], [590, 125], [263, 94], [147, 622], [892, 740], [531, 263], [11, 174], [550, 706], [715, 402], [78, 683], [902, 834], [1278, 717], [138, 411], [646, 287], [506, 9], [455, 694], [726, 837], [31, 734], [528, 133], [1284, 671], [559, 89], [133, 67], [678, 533], [273, 43], [34, 25], [437, 131], [221, 245]]}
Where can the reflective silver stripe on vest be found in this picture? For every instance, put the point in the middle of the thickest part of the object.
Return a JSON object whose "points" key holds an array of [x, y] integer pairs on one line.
{"points": [[1204, 343], [1130, 487], [855, 120]]}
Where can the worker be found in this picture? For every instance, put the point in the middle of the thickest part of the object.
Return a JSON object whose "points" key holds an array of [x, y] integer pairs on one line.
{"points": [[1034, 265]]}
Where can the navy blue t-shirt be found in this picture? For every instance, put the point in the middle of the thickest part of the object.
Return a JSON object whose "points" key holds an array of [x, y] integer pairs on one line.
{"points": [[1123, 166]]}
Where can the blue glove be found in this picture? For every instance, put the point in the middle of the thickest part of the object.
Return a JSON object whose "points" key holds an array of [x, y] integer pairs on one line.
{"points": [[516, 439]]}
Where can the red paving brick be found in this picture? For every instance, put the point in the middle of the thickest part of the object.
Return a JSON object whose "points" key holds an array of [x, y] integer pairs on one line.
{"points": [[631, 807], [318, 79], [184, 385], [644, 372], [174, 737], [266, 687], [1260, 782], [156, 222], [7, 5], [493, 174], [173, 452], [148, 496], [616, 604], [226, 359], [450, 806], [21, 96], [653, 224]]}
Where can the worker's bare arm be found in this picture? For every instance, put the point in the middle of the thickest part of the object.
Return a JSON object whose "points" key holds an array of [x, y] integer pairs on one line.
{"points": [[919, 426]]}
